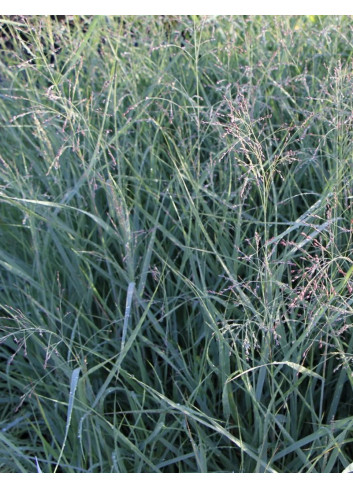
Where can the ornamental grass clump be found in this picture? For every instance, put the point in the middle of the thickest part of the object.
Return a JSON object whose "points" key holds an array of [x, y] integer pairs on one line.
{"points": [[176, 227]]}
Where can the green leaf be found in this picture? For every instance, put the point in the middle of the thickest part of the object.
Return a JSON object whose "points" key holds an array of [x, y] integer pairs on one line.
{"points": [[74, 380], [348, 469]]}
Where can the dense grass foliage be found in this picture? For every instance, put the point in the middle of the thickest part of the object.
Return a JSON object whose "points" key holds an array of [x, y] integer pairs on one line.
{"points": [[176, 225]]}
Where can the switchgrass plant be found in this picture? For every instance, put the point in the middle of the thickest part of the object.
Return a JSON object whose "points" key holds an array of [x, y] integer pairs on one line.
{"points": [[176, 234]]}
